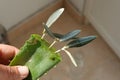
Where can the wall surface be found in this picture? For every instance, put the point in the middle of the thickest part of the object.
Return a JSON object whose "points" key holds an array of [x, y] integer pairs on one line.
{"points": [[14, 11], [78, 4], [105, 16]]}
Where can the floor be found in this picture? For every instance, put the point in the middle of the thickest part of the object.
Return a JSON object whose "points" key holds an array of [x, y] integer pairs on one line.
{"points": [[96, 61]]}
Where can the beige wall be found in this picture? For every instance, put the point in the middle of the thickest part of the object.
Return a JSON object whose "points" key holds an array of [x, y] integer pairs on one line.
{"points": [[78, 4], [13, 11], [105, 16]]}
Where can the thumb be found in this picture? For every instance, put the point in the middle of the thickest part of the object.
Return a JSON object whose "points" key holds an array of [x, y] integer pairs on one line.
{"points": [[13, 72]]}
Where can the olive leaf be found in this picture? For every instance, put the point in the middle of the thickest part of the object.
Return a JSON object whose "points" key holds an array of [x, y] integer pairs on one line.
{"points": [[69, 35], [54, 17], [48, 31], [80, 42], [59, 36]]}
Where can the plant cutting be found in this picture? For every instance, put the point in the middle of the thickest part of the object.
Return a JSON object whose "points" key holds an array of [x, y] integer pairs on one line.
{"points": [[40, 56]]}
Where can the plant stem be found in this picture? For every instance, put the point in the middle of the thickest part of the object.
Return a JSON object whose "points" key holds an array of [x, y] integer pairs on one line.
{"points": [[71, 57], [43, 35], [69, 54], [52, 43]]}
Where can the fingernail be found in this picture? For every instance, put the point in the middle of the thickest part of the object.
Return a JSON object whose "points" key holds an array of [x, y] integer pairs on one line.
{"points": [[23, 70]]}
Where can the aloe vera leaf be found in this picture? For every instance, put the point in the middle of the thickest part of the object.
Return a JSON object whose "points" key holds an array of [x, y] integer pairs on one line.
{"points": [[26, 51], [70, 35], [40, 60], [48, 31], [80, 42], [54, 17]]}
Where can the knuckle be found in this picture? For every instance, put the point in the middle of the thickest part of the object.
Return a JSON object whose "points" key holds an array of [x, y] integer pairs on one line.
{"points": [[13, 73]]}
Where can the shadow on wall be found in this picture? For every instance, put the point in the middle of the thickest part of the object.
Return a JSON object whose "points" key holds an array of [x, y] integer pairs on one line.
{"points": [[3, 35]]}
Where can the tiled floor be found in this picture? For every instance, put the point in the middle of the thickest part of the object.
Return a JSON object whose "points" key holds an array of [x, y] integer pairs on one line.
{"points": [[96, 61]]}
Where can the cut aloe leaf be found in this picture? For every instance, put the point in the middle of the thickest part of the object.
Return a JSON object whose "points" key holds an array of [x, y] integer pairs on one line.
{"points": [[37, 56], [70, 35], [80, 42], [54, 17]]}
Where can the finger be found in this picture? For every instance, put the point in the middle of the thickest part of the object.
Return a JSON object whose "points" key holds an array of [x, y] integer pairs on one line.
{"points": [[7, 52], [13, 73]]}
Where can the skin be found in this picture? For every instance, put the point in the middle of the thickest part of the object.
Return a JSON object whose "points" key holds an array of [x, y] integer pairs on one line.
{"points": [[7, 53]]}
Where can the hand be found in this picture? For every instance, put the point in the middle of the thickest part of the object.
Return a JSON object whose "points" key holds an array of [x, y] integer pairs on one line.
{"points": [[7, 52]]}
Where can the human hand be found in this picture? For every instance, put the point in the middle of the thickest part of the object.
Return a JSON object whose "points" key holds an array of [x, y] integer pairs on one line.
{"points": [[7, 52]]}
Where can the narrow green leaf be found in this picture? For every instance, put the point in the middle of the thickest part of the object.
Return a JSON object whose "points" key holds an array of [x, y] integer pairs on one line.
{"points": [[54, 17], [59, 36], [81, 41], [69, 35], [48, 31]]}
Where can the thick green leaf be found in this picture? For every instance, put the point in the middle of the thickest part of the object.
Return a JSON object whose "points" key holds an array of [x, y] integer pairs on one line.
{"points": [[81, 41], [37, 56]]}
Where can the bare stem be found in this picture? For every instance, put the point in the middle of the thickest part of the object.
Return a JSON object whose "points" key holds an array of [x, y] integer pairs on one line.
{"points": [[58, 51], [71, 57], [69, 54], [65, 47], [52, 43], [43, 36]]}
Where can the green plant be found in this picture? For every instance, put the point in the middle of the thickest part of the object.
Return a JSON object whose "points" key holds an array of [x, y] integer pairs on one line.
{"points": [[40, 56]]}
